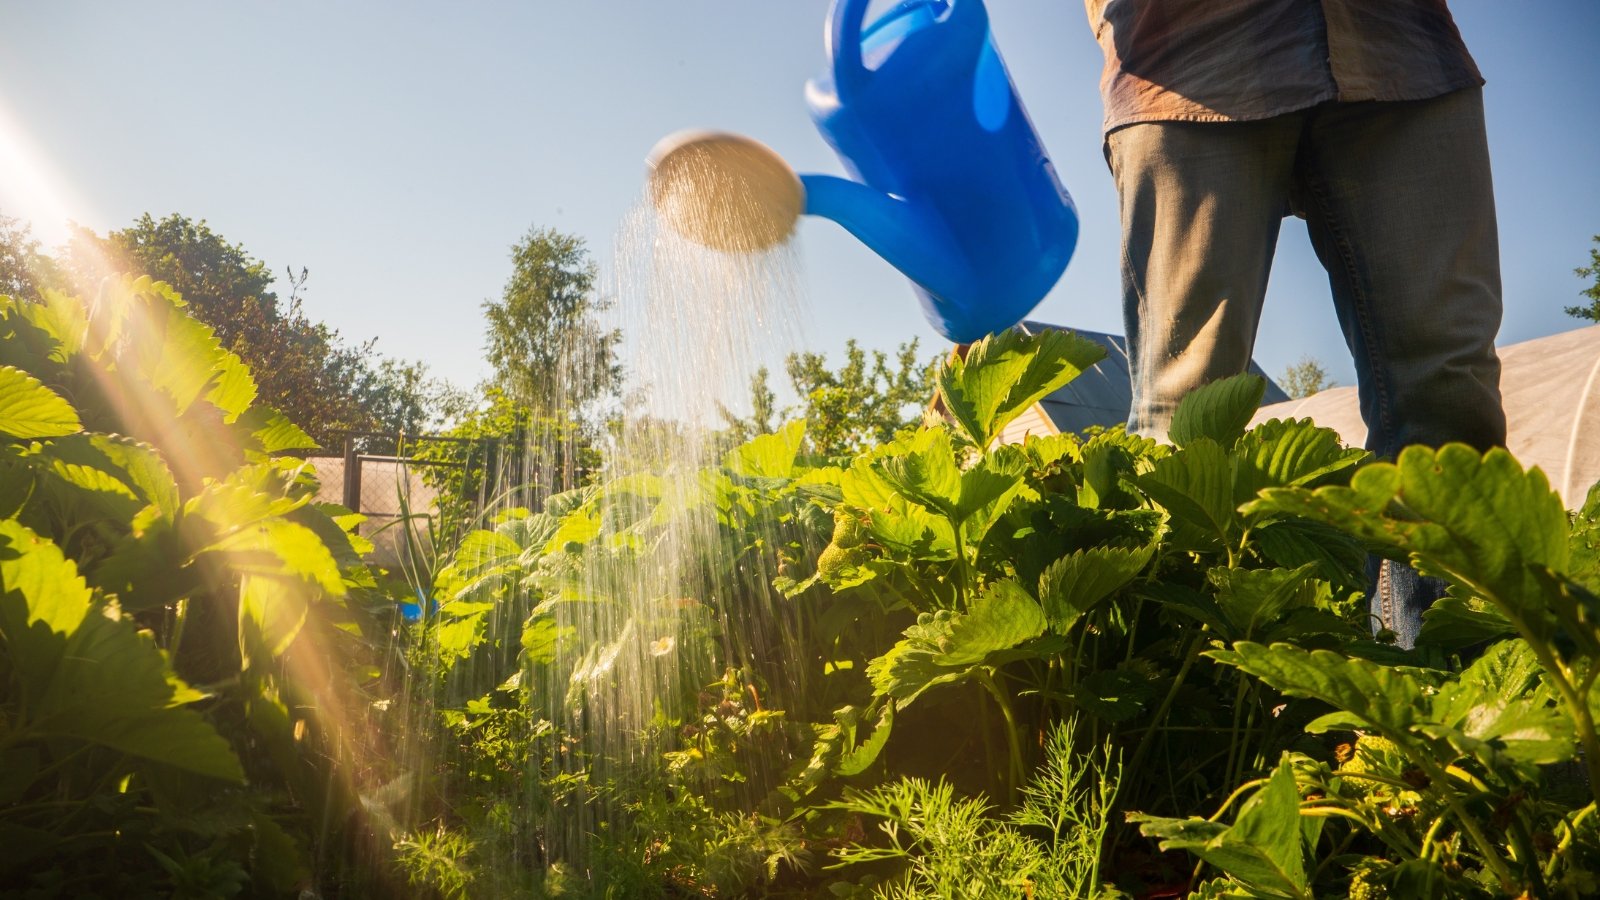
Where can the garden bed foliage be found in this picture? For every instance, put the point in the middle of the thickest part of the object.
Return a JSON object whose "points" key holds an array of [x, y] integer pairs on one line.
{"points": [[184, 634], [1085, 665], [954, 617]]}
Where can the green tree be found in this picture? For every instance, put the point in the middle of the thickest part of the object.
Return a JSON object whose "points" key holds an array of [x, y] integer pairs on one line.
{"points": [[1591, 271], [865, 402], [23, 269], [1305, 378], [763, 410], [303, 368], [548, 349]]}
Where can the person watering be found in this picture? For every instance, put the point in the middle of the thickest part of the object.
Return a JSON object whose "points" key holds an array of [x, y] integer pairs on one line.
{"points": [[1365, 118]]}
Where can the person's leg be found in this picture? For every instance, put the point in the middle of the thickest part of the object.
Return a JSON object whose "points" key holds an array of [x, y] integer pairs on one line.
{"points": [[1201, 207], [1400, 208]]}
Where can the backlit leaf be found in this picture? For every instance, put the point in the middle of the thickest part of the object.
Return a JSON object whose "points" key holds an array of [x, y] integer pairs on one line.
{"points": [[768, 455], [1219, 411], [1195, 485], [1076, 583], [1006, 373], [29, 410], [1389, 700]]}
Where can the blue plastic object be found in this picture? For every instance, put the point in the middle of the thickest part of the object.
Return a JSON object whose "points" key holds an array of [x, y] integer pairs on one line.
{"points": [[952, 185]]}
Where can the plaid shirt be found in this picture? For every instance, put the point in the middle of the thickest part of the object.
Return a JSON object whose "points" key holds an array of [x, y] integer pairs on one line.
{"points": [[1231, 60]]}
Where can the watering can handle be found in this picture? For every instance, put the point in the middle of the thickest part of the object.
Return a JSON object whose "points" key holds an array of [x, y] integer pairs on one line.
{"points": [[844, 46]]}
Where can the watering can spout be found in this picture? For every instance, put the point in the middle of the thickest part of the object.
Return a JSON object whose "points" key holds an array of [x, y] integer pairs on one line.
{"points": [[909, 236]]}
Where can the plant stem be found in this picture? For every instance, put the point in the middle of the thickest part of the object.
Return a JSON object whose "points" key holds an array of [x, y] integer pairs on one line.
{"points": [[1148, 740], [1013, 743], [1491, 855]]}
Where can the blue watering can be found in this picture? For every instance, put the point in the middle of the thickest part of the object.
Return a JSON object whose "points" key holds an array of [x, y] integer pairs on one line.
{"points": [[951, 184]]}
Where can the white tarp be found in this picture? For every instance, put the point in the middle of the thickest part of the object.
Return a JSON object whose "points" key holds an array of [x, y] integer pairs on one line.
{"points": [[1551, 389]]}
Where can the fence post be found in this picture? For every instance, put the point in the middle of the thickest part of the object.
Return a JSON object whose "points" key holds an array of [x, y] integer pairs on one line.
{"points": [[352, 475]]}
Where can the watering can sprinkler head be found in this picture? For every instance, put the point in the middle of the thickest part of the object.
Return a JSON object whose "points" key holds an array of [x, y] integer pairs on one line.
{"points": [[724, 191]]}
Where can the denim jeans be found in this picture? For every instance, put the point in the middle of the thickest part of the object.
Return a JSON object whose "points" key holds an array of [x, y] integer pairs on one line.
{"points": [[1399, 205]]}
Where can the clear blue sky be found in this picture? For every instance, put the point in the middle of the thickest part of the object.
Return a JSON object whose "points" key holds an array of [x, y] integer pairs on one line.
{"points": [[398, 148]]}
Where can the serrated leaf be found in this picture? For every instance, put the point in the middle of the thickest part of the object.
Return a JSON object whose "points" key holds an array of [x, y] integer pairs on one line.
{"points": [[1453, 623], [1291, 543], [857, 758], [113, 688], [1290, 452], [950, 646], [30, 410], [1252, 598], [278, 548], [926, 472], [542, 638], [768, 455], [1498, 700], [114, 467], [1219, 411], [233, 389], [1270, 825], [177, 354], [1076, 583], [1195, 485], [274, 432], [271, 611], [1390, 701], [1115, 695], [1478, 521], [41, 593], [1006, 373]]}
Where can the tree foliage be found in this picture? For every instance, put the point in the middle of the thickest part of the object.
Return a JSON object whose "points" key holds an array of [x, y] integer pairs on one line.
{"points": [[23, 268], [862, 403], [1305, 378], [303, 367], [1591, 271], [548, 349]]}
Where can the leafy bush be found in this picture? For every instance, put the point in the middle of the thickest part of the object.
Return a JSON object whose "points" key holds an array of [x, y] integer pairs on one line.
{"points": [[174, 610]]}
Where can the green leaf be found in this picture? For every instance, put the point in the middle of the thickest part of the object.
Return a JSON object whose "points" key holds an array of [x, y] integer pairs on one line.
{"points": [[542, 639], [1498, 700], [1453, 623], [1219, 411], [271, 611], [1291, 543], [857, 758], [1290, 453], [1252, 598], [178, 354], [1115, 695], [1195, 485], [1388, 700], [1076, 583], [278, 548], [1478, 521], [30, 410], [274, 432], [1270, 825], [768, 455], [117, 466], [41, 593], [945, 646], [1006, 373], [926, 472], [1262, 849], [1002, 617], [234, 390], [113, 688]]}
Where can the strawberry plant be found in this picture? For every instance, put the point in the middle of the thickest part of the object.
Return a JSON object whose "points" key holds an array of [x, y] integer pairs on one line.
{"points": [[172, 604]]}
